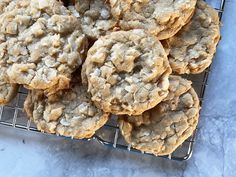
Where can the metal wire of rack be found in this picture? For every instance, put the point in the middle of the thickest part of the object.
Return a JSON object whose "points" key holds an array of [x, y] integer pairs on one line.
{"points": [[12, 115]]}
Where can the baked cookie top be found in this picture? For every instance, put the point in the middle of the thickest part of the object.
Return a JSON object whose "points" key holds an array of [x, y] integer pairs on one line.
{"points": [[191, 50], [163, 18], [127, 72], [95, 15], [3, 4], [68, 112], [41, 44], [7, 91], [162, 129]]}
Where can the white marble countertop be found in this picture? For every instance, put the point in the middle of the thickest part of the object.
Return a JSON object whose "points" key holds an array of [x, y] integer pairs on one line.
{"points": [[25, 154]]}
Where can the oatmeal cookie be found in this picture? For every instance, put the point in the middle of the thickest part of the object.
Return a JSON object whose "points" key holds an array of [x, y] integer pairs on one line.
{"points": [[191, 50], [162, 129], [3, 4], [127, 72], [7, 91], [163, 18], [41, 44], [68, 112], [95, 15]]}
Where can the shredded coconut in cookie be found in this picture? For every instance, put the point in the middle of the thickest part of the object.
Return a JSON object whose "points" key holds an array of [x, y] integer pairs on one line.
{"points": [[68, 113], [191, 50], [127, 72], [163, 18], [162, 129], [3, 5], [95, 15], [41, 44]]}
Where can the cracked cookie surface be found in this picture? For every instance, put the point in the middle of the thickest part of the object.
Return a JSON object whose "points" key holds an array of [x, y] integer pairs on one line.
{"points": [[191, 50], [161, 130], [41, 44], [68, 112], [95, 15], [123, 75], [163, 18]]}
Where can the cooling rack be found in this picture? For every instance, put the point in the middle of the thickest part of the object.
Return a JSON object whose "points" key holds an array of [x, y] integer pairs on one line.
{"points": [[12, 115]]}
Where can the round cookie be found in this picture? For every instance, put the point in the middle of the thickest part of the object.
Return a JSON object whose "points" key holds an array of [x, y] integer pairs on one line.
{"points": [[163, 18], [95, 15], [191, 50], [7, 91], [41, 44], [161, 130], [127, 72], [68, 112]]}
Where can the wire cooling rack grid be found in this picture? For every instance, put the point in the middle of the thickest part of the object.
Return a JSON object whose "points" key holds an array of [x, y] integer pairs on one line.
{"points": [[12, 115]]}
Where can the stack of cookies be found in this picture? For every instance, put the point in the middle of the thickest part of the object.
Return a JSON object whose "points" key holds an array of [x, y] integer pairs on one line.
{"points": [[86, 60]]}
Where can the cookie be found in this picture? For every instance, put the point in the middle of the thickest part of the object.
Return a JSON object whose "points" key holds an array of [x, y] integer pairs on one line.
{"points": [[191, 50], [127, 72], [68, 113], [3, 4], [41, 44], [7, 91], [95, 15], [163, 18], [161, 130]]}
